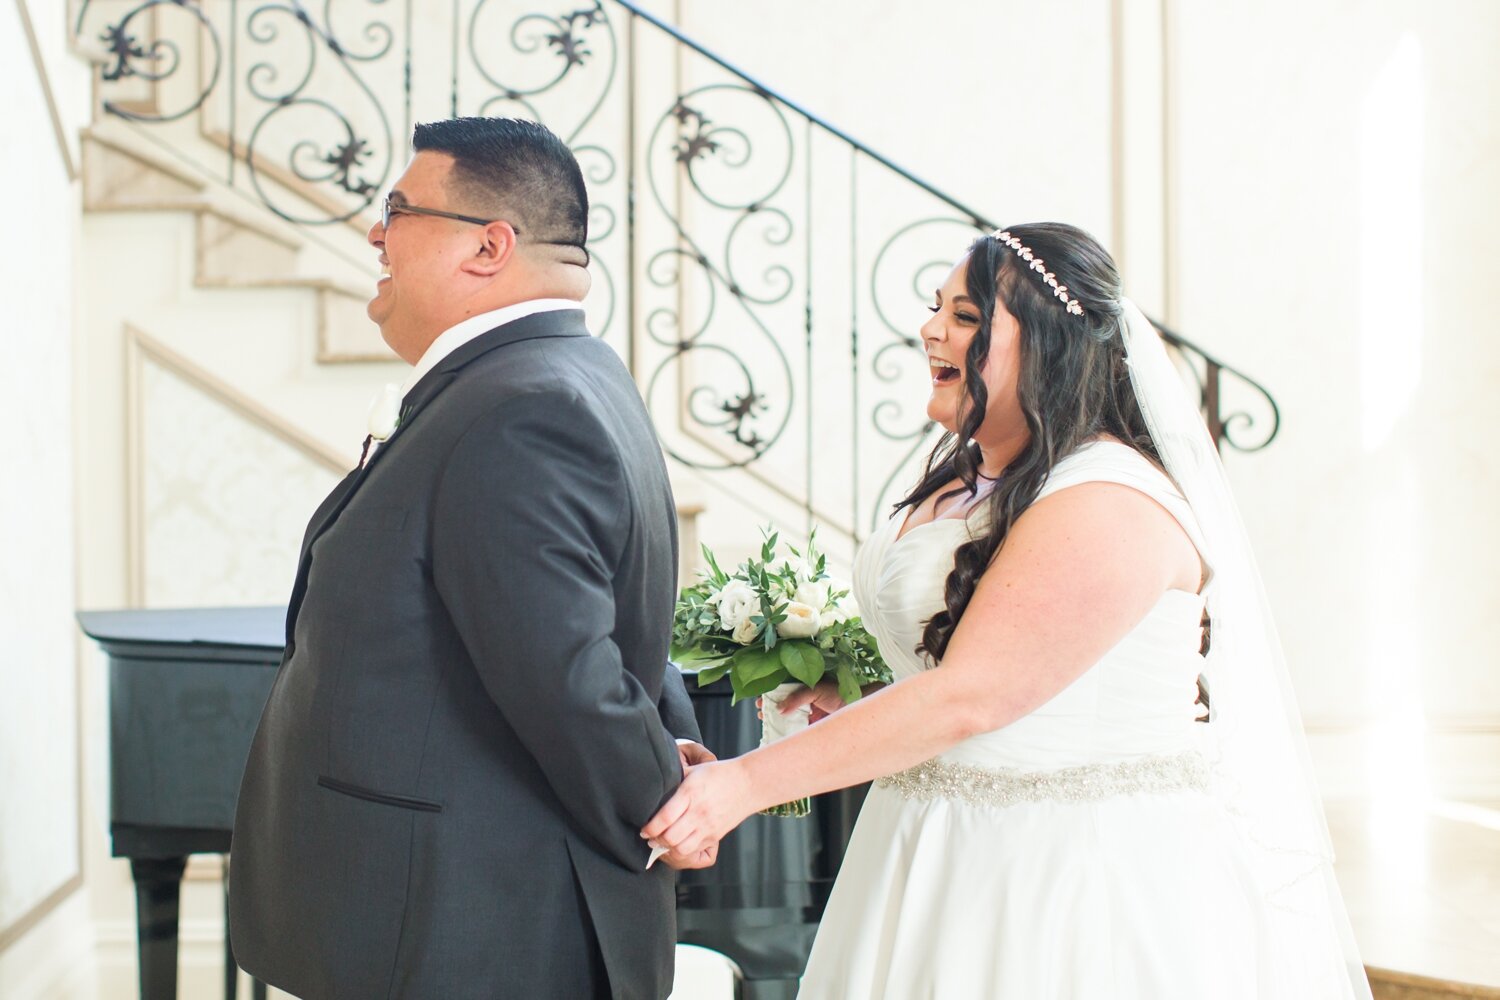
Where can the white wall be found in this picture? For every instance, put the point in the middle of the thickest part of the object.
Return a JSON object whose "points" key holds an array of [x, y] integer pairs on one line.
{"points": [[40, 858], [1336, 189]]}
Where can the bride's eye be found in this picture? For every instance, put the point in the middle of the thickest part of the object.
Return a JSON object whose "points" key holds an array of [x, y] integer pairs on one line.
{"points": [[966, 317]]}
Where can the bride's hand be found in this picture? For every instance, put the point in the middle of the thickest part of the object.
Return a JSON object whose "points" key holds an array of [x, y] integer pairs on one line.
{"points": [[712, 800], [822, 700]]}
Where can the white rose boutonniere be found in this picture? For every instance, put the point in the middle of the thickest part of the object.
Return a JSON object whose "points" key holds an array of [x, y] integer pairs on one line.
{"points": [[385, 412]]}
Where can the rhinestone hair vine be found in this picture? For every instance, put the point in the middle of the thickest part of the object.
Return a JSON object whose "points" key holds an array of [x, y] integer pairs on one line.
{"points": [[1037, 265]]}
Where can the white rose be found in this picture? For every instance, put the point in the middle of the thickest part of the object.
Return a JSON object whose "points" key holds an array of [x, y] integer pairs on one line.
{"points": [[843, 609], [802, 570], [814, 595], [744, 632], [737, 601], [802, 622]]}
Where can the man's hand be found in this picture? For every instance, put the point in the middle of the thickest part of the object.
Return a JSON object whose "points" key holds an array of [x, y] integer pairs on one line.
{"points": [[712, 800], [691, 754], [703, 859]]}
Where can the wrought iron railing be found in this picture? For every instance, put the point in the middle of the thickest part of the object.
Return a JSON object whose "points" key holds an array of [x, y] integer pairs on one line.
{"points": [[760, 270]]}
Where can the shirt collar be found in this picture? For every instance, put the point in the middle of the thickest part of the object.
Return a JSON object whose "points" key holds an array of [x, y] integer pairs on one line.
{"points": [[460, 334]]}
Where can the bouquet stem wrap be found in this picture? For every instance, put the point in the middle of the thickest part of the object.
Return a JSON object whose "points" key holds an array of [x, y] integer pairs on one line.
{"points": [[774, 726]]}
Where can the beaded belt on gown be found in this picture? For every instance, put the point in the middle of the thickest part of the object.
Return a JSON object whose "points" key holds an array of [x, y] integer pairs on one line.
{"points": [[939, 779]]}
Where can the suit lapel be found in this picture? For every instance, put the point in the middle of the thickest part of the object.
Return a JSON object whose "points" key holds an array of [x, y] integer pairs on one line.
{"points": [[334, 501], [559, 323]]}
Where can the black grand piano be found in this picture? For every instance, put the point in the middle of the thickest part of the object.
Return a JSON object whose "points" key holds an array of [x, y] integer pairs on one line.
{"points": [[186, 689]]}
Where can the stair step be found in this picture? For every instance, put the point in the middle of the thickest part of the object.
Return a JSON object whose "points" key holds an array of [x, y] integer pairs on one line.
{"points": [[234, 250], [230, 250], [116, 178], [345, 333]]}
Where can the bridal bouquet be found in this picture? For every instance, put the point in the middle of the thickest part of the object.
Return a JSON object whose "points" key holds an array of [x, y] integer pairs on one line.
{"points": [[773, 626]]}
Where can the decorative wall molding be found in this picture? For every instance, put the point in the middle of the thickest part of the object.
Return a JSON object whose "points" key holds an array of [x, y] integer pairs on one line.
{"points": [[141, 348], [57, 961], [24, 923]]}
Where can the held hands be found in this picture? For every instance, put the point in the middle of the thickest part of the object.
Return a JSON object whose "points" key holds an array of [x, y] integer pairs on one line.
{"points": [[714, 796], [690, 755], [712, 800]]}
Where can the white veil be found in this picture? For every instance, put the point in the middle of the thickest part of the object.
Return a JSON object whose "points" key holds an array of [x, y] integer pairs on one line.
{"points": [[1255, 743]]}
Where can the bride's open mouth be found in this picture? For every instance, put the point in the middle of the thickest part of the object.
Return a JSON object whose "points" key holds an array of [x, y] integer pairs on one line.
{"points": [[943, 372]]}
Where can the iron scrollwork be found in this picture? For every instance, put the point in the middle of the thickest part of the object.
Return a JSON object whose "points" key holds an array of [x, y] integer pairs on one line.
{"points": [[740, 377], [352, 166], [1239, 428], [132, 56], [561, 70]]}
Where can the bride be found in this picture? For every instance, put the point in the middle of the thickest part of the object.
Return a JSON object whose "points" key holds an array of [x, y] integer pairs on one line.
{"points": [[1049, 819]]}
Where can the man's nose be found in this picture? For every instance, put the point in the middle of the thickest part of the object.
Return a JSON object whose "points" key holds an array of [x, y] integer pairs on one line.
{"points": [[376, 236]]}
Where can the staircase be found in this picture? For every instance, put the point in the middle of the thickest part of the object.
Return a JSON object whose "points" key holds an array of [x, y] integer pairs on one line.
{"points": [[757, 268]]}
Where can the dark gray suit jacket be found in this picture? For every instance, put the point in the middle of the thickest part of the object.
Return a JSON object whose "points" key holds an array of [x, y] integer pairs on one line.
{"points": [[444, 795]]}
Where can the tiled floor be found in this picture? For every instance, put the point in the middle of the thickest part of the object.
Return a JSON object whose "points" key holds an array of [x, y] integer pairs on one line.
{"points": [[1422, 885]]}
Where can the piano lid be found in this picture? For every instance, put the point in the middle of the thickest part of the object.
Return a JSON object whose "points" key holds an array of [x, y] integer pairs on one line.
{"points": [[246, 628]]}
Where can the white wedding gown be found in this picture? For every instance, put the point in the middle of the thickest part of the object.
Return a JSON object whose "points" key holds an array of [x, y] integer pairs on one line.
{"points": [[1071, 855]]}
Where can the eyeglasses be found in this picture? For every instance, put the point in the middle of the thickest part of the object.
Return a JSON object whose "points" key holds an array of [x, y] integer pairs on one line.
{"points": [[402, 208]]}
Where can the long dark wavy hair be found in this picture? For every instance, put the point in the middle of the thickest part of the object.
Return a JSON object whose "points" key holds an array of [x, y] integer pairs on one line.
{"points": [[1073, 387]]}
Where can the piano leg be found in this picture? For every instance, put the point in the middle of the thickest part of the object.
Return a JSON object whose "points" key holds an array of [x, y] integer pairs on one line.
{"points": [[158, 886]]}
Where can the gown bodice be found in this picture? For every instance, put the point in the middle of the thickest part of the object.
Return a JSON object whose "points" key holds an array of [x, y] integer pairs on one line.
{"points": [[1138, 699]]}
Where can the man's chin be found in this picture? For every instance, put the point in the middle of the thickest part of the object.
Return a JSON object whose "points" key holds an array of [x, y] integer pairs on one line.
{"points": [[381, 317]]}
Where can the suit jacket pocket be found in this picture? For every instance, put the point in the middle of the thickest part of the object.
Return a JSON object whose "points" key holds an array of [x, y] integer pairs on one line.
{"points": [[374, 795]]}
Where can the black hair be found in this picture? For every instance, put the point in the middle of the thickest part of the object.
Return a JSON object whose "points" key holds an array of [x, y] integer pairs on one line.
{"points": [[1073, 387], [513, 169]]}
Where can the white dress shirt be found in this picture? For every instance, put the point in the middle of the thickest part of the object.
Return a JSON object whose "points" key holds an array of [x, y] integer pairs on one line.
{"points": [[461, 333], [457, 336]]}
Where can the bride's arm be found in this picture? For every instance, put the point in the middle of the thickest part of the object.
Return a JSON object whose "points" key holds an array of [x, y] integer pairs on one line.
{"points": [[1079, 570]]}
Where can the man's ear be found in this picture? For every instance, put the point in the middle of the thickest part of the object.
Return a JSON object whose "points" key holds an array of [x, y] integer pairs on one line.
{"points": [[497, 246]]}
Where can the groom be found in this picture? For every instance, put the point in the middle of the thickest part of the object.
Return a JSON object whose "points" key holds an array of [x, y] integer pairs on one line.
{"points": [[472, 720]]}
